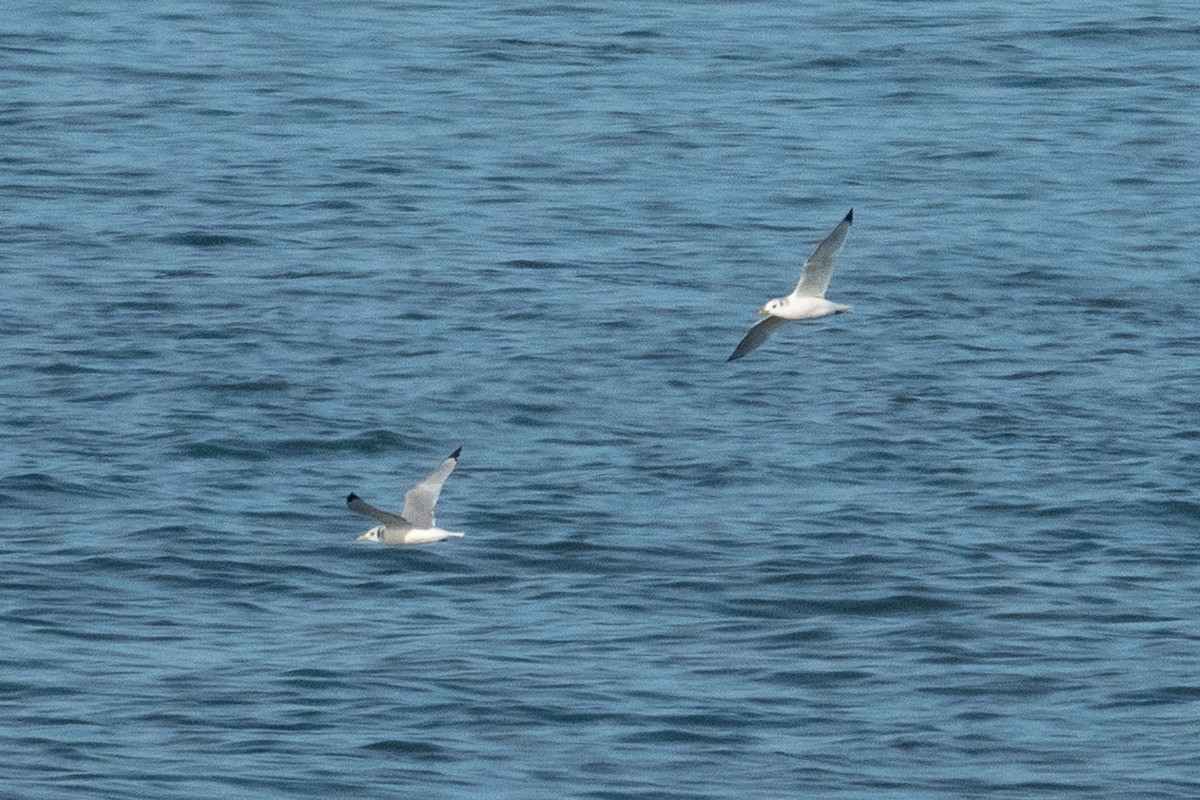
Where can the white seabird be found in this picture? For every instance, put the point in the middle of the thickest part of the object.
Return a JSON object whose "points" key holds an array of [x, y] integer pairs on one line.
{"points": [[807, 300], [416, 525]]}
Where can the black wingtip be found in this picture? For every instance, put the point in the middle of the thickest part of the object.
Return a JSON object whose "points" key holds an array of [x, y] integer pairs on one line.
{"points": [[456, 453], [350, 498], [849, 217], [733, 357]]}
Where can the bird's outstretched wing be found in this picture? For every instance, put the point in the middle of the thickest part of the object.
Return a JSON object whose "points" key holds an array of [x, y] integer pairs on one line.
{"points": [[818, 269], [360, 506], [420, 499], [756, 336]]}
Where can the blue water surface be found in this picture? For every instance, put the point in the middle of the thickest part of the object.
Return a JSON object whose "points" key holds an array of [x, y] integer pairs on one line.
{"points": [[256, 255]]}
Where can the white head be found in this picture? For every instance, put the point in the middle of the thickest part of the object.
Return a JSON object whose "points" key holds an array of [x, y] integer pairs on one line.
{"points": [[373, 535], [772, 306]]}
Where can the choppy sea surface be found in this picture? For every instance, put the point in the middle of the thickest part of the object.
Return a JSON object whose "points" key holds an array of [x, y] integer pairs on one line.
{"points": [[254, 256]]}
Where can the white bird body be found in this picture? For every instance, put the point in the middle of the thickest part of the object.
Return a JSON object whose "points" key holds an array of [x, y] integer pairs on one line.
{"points": [[807, 300], [417, 524], [796, 306], [399, 535]]}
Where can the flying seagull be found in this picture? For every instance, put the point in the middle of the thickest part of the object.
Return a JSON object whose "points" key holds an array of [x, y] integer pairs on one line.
{"points": [[807, 300], [416, 525]]}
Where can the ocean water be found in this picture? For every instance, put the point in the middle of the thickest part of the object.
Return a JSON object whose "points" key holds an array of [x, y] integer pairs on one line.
{"points": [[256, 255]]}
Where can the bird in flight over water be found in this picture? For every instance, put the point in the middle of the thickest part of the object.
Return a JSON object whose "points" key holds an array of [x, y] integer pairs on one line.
{"points": [[807, 300], [416, 524]]}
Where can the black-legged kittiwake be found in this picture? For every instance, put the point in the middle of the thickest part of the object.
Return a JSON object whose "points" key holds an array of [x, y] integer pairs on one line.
{"points": [[807, 300], [416, 525]]}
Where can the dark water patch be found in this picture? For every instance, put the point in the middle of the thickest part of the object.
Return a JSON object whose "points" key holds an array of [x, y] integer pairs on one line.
{"points": [[1061, 82], [339, 205], [106, 636], [186, 273], [373, 166], [673, 736], [202, 239], [157, 307], [223, 449], [1183, 512], [799, 636], [640, 791], [407, 749], [31, 485], [643, 33], [365, 443], [1103, 31], [313, 678], [1005, 685], [792, 608], [530, 264], [1131, 619], [67, 369], [269, 384], [1159, 696], [817, 679], [314, 282], [330, 103]]}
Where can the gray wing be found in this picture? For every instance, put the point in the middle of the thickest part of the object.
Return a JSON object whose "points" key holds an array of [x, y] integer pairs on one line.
{"points": [[818, 269], [754, 337], [360, 506], [420, 499]]}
